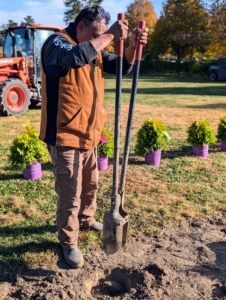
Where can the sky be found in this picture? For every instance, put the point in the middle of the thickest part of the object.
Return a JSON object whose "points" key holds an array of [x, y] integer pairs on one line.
{"points": [[52, 11]]}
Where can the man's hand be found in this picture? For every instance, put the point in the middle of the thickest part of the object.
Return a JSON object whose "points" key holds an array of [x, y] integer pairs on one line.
{"points": [[119, 30], [139, 34]]}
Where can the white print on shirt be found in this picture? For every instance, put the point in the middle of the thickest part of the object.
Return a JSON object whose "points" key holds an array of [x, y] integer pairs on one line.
{"points": [[62, 45]]}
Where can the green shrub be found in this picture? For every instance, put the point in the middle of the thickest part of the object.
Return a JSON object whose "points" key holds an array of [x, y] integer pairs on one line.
{"points": [[151, 136], [108, 147], [27, 148], [221, 130], [200, 133]]}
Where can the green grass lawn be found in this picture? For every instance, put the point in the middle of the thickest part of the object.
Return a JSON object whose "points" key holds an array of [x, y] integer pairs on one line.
{"points": [[183, 187]]}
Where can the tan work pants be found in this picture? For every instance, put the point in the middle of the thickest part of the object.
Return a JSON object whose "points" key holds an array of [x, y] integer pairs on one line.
{"points": [[76, 182]]}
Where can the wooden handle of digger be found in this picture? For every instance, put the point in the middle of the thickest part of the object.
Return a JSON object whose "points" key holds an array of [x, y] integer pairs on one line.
{"points": [[120, 44], [139, 47]]}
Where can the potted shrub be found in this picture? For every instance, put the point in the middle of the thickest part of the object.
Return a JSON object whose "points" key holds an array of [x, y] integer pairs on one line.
{"points": [[27, 152], [200, 135], [221, 133], [152, 138], [105, 149]]}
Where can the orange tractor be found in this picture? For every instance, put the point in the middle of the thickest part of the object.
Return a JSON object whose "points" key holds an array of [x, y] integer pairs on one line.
{"points": [[20, 67]]}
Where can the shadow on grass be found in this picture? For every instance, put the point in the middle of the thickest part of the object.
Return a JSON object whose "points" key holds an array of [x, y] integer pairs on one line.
{"points": [[209, 106], [45, 167], [11, 177], [36, 106], [9, 253], [12, 256], [199, 91], [26, 231], [171, 154], [174, 78], [186, 151], [158, 77]]}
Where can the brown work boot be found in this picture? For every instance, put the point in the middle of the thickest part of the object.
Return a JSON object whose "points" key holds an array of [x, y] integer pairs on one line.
{"points": [[73, 257]]}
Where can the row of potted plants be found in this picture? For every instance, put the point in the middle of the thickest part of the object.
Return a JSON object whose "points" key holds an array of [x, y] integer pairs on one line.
{"points": [[200, 135], [28, 151], [153, 138]]}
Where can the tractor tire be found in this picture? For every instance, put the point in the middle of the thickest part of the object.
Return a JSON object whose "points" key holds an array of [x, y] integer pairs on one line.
{"points": [[213, 76], [14, 97]]}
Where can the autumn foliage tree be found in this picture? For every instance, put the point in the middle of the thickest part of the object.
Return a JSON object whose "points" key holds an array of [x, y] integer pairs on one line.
{"points": [[217, 11], [182, 28], [141, 10]]}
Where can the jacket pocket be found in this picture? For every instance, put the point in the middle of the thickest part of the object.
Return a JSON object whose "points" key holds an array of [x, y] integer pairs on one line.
{"points": [[74, 120], [82, 121]]}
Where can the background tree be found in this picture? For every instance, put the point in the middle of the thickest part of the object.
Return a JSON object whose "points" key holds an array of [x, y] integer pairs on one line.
{"points": [[3, 27], [111, 47], [2, 37], [217, 11], [11, 23], [1, 44], [182, 28], [27, 21], [141, 10], [74, 6]]}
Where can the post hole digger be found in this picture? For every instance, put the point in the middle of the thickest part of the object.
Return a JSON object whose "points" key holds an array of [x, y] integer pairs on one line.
{"points": [[115, 223]]}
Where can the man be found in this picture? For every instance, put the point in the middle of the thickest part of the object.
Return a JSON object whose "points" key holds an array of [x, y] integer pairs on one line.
{"points": [[73, 115]]}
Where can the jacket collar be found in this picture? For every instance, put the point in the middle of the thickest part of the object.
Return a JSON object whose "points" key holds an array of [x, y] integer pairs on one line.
{"points": [[72, 32]]}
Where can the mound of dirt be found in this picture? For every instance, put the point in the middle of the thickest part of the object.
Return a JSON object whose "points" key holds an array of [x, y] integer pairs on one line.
{"points": [[186, 262]]}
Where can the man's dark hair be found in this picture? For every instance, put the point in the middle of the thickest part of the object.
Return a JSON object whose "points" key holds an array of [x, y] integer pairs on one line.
{"points": [[90, 14]]}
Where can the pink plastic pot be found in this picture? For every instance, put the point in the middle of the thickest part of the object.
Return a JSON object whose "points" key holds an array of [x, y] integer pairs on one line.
{"points": [[102, 162], [223, 145], [33, 171], [200, 150], [153, 157]]}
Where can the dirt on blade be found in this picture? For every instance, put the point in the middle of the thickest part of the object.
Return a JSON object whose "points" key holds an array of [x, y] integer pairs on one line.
{"points": [[186, 262]]}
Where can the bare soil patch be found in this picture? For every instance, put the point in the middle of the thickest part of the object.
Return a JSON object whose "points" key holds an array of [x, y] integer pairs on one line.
{"points": [[185, 262]]}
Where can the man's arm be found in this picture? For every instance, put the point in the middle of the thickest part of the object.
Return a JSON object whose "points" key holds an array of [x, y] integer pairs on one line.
{"points": [[117, 31], [58, 55], [109, 64]]}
